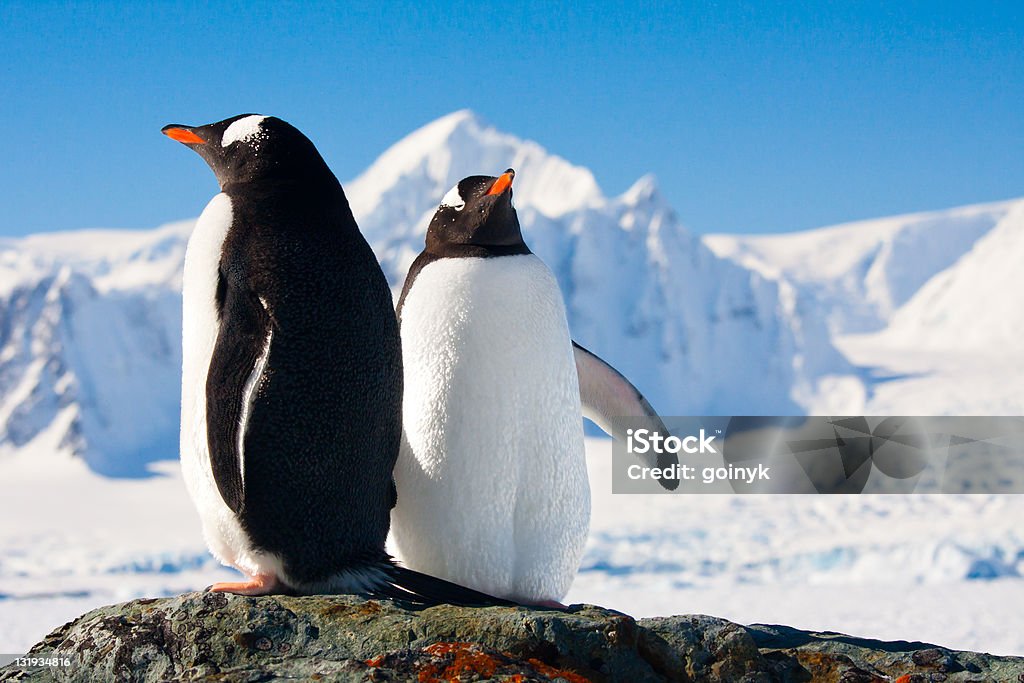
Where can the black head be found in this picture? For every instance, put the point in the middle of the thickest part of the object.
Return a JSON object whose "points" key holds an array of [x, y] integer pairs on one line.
{"points": [[477, 216], [250, 147]]}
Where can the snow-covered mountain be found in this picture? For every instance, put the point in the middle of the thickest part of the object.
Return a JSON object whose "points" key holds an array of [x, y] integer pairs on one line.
{"points": [[926, 305], [859, 274], [976, 304], [89, 343]]}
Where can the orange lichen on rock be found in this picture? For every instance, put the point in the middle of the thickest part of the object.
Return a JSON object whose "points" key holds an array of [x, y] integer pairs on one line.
{"points": [[451, 661], [459, 658], [552, 672]]}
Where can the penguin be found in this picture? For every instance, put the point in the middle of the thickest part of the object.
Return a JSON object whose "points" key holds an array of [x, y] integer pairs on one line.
{"points": [[291, 375], [493, 491]]}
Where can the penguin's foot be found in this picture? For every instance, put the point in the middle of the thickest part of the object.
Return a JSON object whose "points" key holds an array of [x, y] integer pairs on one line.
{"points": [[261, 584], [551, 604]]}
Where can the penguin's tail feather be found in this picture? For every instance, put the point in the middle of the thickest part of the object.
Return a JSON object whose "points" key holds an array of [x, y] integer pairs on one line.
{"points": [[415, 589]]}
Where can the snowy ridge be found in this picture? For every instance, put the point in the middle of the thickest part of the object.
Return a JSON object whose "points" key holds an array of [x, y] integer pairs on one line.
{"points": [[975, 304], [111, 259], [926, 305], [860, 273], [90, 344]]}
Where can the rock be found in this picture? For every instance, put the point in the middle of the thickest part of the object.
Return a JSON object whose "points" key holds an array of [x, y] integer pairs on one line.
{"points": [[836, 657], [217, 637], [711, 649]]}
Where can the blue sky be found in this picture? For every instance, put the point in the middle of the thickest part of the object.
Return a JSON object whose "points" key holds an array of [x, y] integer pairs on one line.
{"points": [[754, 118]]}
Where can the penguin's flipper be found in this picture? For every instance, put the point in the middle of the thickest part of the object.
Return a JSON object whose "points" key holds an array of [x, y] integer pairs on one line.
{"points": [[236, 367], [606, 394], [415, 589]]}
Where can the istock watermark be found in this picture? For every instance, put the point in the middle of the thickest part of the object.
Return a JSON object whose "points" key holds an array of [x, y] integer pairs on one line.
{"points": [[819, 454], [640, 441]]}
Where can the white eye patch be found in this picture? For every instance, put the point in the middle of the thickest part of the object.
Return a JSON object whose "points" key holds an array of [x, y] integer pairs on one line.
{"points": [[453, 199], [241, 130]]}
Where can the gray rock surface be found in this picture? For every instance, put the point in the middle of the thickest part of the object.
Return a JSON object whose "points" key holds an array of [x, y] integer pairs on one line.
{"points": [[216, 637]]}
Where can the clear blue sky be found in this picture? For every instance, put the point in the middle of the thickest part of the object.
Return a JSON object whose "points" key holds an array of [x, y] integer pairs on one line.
{"points": [[754, 118]]}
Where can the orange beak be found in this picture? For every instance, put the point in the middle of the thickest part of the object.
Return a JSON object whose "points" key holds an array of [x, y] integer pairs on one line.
{"points": [[503, 182], [183, 135]]}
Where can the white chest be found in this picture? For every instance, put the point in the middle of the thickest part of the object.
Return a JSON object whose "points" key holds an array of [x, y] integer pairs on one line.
{"points": [[488, 361], [493, 456]]}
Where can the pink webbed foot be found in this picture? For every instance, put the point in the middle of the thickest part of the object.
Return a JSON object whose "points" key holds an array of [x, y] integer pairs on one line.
{"points": [[263, 584], [551, 604]]}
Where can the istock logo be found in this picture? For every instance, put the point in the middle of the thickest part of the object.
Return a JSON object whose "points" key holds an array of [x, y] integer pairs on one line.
{"points": [[642, 441]]}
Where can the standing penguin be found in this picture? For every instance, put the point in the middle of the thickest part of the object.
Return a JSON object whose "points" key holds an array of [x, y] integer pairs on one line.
{"points": [[492, 479], [292, 374]]}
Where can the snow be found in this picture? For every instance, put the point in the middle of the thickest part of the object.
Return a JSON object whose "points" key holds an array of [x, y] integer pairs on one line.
{"points": [[904, 315], [904, 379], [861, 273], [81, 540], [973, 306], [922, 306]]}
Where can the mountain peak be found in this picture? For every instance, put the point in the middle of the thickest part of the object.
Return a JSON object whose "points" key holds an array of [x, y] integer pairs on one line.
{"points": [[437, 133], [405, 183], [459, 117], [644, 190]]}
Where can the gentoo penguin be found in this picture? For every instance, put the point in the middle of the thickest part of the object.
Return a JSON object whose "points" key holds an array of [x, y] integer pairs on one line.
{"points": [[292, 374], [492, 478]]}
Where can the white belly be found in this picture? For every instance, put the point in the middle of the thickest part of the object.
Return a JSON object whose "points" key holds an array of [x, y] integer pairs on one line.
{"points": [[492, 480], [224, 535]]}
